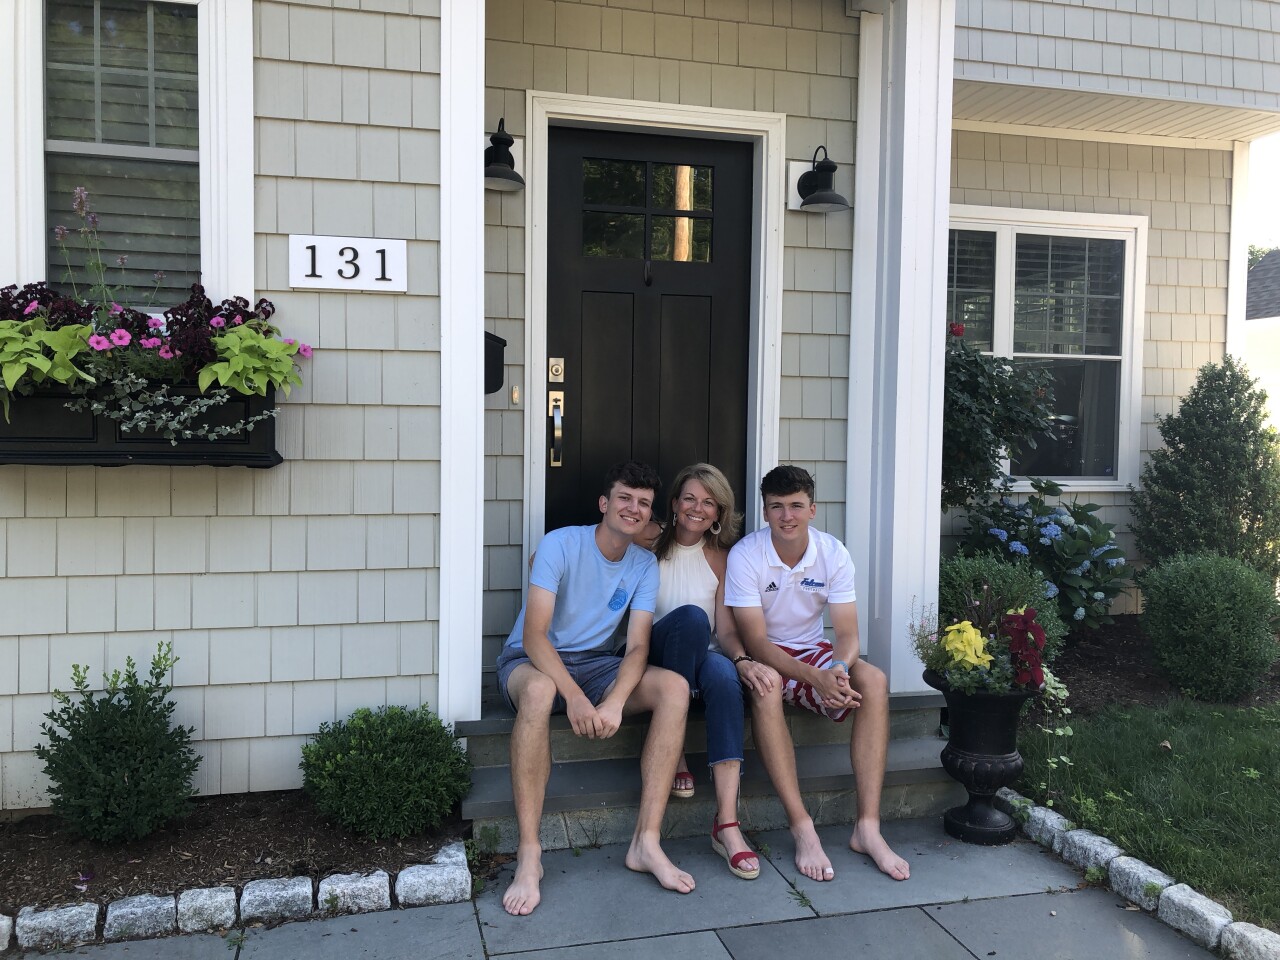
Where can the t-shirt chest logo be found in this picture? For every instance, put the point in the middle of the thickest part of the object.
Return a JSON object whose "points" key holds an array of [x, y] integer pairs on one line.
{"points": [[618, 600], [771, 588], [810, 585]]}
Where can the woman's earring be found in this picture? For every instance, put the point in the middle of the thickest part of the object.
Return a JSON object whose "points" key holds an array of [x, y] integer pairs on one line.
{"points": [[715, 529]]}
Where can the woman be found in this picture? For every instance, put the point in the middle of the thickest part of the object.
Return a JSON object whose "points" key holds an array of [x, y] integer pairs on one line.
{"points": [[694, 635]]}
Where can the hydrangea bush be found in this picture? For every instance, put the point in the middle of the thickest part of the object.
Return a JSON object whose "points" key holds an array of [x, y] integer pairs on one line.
{"points": [[1084, 569]]}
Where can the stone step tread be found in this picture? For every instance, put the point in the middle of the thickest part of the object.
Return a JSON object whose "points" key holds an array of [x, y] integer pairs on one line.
{"points": [[609, 782], [497, 718]]}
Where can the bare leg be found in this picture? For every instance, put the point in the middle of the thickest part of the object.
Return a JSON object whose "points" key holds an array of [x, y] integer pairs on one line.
{"points": [[666, 696], [773, 740], [868, 750], [534, 693], [727, 776]]}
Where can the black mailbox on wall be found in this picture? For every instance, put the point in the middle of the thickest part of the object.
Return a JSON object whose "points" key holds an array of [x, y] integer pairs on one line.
{"points": [[494, 358]]}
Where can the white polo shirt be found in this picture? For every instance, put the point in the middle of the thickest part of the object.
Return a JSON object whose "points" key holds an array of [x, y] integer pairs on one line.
{"points": [[792, 598]]}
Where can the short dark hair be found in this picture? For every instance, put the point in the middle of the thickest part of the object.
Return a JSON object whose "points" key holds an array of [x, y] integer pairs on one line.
{"points": [[786, 479], [634, 474]]}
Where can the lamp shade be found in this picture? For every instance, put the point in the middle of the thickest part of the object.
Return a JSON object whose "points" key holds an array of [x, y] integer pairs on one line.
{"points": [[499, 165], [817, 194]]}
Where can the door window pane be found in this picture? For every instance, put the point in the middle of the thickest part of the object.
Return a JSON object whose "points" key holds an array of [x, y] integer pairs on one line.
{"points": [[681, 187], [1086, 413], [1068, 295], [613, 183], [684, 239], [971, 282], [616, 235]]}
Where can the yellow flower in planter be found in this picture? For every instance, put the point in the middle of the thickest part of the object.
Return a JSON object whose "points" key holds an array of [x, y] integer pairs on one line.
{"points": [[966, 644]]}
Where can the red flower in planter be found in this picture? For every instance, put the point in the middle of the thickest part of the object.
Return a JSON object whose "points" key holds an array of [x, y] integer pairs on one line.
{"points": [[1026, 645], [955, 329]]}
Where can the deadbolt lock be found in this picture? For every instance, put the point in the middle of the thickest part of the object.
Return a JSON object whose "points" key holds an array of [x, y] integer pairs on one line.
{"points": [[555, 370]]}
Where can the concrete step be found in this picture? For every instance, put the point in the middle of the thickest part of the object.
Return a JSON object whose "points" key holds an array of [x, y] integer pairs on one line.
{"points": [[910, 716]]}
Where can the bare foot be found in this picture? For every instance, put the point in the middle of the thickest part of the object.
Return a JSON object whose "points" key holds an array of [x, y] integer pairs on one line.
{"points": [[646, 856], [866, 840], [524, 894], [811, 859]]}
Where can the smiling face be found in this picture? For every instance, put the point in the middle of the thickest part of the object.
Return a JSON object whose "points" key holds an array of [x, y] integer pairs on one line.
{"points": [[788, 516], [626, 510], [694, 510]]}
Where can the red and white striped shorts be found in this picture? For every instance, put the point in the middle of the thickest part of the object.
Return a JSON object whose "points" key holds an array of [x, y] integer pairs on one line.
{"points": [[800, 693]]}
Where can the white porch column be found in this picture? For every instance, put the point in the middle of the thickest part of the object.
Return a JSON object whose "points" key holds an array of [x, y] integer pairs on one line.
{"points": [[897, 342], [461, 559]]}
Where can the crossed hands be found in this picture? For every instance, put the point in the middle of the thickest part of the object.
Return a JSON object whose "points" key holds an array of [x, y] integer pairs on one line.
{"points": [[594, 723], [833, 689]]}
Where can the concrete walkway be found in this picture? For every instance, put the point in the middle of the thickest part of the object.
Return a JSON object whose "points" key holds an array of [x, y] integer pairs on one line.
{"points": [[962, 902]]}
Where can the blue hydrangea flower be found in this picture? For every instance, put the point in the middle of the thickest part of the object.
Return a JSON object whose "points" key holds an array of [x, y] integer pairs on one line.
{"points": [[1067, 521], [1079, 571], [1050, 589], [1079, 614], [1061, 511], [1046, 541], [1052, 531], [1114, 562], [1001, 535], [1099, 551], [1099, 595], [1018, 548]]}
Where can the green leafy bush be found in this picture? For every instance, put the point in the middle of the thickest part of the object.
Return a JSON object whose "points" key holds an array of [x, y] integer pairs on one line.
{"points": [[119, 769], [386, 773], [980, 587], [1212, 622], [1215, 487], [1083, 568], [989, 408]]}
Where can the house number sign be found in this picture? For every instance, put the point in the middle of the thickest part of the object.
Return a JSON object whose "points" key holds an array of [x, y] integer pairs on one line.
{"points": [[348, 263]]}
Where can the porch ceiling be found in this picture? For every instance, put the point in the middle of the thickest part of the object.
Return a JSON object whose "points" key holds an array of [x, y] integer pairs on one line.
{"points": [[1006, 103]]}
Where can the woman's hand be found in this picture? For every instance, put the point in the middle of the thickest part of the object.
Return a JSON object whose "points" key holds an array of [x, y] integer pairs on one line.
{"points": [[759, 677]]}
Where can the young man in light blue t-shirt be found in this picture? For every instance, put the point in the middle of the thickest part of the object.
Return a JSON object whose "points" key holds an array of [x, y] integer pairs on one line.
{"points": [[560, 657]]}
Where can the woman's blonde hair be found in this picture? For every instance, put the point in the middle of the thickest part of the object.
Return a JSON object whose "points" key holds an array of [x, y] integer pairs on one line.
{"points": [[717, 485]]}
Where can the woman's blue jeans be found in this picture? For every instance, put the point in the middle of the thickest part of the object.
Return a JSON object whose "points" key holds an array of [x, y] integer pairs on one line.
{"points": [[679, 642]]}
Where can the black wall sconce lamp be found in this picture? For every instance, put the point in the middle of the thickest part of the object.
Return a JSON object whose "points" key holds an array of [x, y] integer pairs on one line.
{"points": [[500, 165], [817, 194]]}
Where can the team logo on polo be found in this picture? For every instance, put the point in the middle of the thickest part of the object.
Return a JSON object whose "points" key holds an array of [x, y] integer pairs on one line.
{"points": [[771, 588], [618, 600], [808, 583]]}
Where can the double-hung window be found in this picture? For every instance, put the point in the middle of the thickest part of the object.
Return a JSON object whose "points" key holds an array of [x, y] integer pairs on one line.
{"points": [[148, 105], [122, 120], [1060, 292]]}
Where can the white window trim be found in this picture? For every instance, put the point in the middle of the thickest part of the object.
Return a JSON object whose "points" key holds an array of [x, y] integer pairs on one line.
{"points": [[1132, 230], [226, 147]]}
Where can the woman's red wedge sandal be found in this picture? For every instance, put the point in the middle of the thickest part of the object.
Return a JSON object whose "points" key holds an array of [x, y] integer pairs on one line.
{"points": [[734, 860]]}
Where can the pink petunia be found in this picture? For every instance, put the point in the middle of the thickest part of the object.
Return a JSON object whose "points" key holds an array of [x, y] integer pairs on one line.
{"points": [[217, 322], [290, 341], [32, 307], [150, 342], [99, 342], [164, 353], [237, 320], [154, 323], [121, 337], [304, 349], [116, 309]]}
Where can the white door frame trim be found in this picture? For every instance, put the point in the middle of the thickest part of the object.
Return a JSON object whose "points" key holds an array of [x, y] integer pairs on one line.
{"points": [[768, 132]]}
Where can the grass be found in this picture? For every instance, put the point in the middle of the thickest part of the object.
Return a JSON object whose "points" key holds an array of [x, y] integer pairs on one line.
{"points": [[1192, 789]]}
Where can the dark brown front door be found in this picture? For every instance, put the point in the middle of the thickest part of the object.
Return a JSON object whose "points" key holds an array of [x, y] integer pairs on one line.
{"points": [[648, 327]]}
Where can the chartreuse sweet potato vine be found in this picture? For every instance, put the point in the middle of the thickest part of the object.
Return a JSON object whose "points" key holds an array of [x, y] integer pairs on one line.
{"points": [[30, 351]]}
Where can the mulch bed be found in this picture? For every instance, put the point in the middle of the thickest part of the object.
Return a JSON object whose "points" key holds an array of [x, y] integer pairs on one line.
{"points": [[224, 841], [230, 840]]}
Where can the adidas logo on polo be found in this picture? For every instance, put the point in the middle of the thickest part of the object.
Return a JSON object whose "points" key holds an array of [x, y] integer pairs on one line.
{"points": [[771, 588]]}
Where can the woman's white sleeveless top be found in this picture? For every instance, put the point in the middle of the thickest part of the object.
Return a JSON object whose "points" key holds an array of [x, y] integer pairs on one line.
{"points": [[686, 577]]}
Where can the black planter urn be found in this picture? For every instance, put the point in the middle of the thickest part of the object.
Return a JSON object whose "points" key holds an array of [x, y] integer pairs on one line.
{"points": [[41, 430], [982, 754]]}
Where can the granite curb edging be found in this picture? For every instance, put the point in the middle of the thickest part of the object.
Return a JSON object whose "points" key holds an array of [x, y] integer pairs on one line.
{"points": [[447, 879], [1204, 921]]}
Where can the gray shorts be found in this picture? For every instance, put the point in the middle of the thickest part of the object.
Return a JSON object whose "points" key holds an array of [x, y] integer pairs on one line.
{"points": [[592, 670]]}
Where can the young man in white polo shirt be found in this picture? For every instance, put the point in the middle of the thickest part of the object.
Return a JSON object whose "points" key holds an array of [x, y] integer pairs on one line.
{"points": [[779, 581]]}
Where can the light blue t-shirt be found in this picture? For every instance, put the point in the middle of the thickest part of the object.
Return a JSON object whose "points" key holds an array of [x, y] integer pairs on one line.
{"points": [[592, 593]]}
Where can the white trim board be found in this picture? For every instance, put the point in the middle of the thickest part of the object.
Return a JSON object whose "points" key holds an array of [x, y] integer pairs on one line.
{"points": [[461, 558], [226, 147], [1238, 251], [1100, 136], [768, 132]]}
